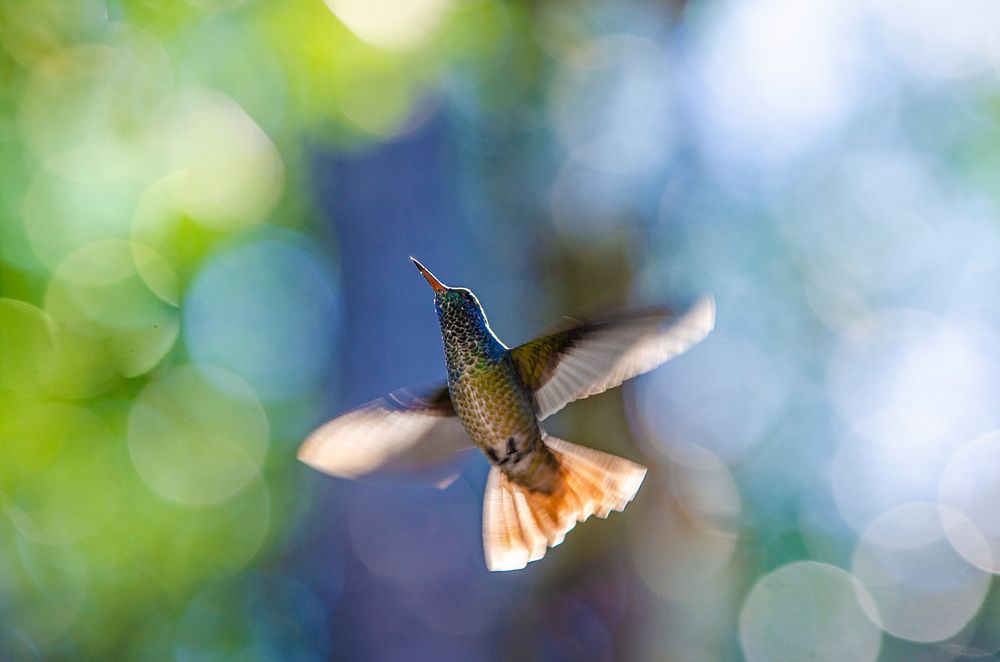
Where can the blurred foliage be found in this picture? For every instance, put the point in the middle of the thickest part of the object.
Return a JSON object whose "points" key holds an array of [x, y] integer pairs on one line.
{"points": [[137, 139]]}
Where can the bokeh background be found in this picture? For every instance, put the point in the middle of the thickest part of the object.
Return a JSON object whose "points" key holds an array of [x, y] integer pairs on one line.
{"points": [[206, 209]]}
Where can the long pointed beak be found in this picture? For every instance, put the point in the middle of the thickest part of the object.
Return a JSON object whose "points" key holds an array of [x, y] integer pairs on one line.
{"points": [[435, 283]]}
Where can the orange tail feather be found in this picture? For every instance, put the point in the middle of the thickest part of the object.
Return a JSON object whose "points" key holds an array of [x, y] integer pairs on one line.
{"points": [[519, 524]]}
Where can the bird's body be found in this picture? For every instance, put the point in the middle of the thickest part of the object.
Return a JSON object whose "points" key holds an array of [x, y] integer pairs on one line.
{"points": [[539, 486], [489, 398]]}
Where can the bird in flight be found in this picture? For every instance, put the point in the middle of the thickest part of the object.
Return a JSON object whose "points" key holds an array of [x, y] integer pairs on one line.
{"points": [[539, 486]]}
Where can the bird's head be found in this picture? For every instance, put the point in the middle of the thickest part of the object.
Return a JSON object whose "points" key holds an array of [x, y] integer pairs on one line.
{"points": [[453, 304]]}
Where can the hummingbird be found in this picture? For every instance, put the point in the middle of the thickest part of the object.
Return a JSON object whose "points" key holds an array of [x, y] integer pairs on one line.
{"points": [[494, 398]]}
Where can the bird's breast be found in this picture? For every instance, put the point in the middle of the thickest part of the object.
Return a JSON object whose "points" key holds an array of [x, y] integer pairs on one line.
{"points": [[496, 410]]}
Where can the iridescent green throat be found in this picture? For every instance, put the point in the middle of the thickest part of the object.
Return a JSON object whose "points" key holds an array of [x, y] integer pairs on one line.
{"points": [[469, 342]]}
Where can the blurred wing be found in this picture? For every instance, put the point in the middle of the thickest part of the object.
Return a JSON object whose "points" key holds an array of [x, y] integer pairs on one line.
{"points": [[594, 357], [406, 430]]}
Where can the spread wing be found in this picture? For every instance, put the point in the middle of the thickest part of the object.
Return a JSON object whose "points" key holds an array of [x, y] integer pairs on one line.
{"points": [[408, 429], [593, 357]]}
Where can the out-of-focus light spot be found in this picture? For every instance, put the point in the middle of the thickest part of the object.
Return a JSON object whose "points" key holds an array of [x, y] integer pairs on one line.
{"points": [[267, 310], [906, 379], [392, 24], [156, 273], [941, 39], [970, 485], [677, 555], [380, 101], [33, 435], [15, 245], [61, 216], [922, 589], [774, 78], [231, 174], [84, 110], [966, 300], [63, 473], [161, 223], [419, 539], [703, 487], [869, 479], [44, 590], [217, 5], [30, 30], [85, 366], [688, 628], [137, 351], [808, 611], [722, 395], [191, 546], [99, 290], [223, 55], [156, 212], [258, 616], [479, 85], [612, 105], [886, 235], [197, 435], [27, 346], [338, 77], [911, 388], [101, 284], [560, 30], [892, 266]]}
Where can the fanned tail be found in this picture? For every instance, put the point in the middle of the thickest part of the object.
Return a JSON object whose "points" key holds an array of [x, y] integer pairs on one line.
{"points": [[519, 523]]}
